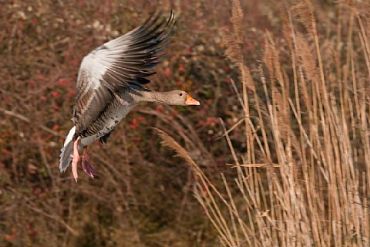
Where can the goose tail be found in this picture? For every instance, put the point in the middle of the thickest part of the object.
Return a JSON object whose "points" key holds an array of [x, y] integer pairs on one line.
{"points": [[66, 151]]}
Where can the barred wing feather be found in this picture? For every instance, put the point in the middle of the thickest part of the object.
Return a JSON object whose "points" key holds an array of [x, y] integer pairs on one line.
{"points": [[124, 62]]}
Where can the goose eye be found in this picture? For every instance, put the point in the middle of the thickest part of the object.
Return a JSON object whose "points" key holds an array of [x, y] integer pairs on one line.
{"points": [[180, 94]]}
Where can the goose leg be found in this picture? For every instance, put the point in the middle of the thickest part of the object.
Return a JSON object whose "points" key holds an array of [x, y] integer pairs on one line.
{"points": [[76, 158], [86, 165]]}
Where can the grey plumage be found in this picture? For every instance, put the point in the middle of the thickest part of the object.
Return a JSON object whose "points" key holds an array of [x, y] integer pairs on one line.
{"points": [[129, 60], [108, 79]]}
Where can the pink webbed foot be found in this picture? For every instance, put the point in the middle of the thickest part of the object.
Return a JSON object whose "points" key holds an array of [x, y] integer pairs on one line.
{"points": [[86, 165], [76, 158]]}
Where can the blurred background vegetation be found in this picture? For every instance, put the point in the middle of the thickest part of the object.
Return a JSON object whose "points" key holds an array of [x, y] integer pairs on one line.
{"points": [[144, 193]]}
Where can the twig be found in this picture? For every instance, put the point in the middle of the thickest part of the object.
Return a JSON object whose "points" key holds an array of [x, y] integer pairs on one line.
{"points": [[27, 120], [260, 165]]}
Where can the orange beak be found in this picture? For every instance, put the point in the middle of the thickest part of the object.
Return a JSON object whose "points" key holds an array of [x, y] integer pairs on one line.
{"points": [[191, 101]]}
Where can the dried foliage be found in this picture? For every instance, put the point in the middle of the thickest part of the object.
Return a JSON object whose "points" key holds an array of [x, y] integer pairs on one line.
{"points": [[291, 105], [142, 195], [304, 178]]}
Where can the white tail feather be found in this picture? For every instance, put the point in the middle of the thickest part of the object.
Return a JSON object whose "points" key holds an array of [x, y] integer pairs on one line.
{"points": [[66, 152], [70, 136]]}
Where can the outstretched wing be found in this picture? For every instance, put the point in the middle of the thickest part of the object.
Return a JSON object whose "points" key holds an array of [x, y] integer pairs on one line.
{"points": [[124, 62]]}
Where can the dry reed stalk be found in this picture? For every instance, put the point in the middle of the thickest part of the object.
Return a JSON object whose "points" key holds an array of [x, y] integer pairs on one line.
{"points": [[233, 39], [205, 191], [313, 143]]}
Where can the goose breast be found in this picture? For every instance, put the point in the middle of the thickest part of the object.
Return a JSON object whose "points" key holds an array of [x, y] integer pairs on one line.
{"points": [[106, 123]]}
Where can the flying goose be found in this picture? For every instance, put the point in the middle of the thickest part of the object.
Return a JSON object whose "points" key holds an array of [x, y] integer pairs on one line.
{"points": [[111, 82]]}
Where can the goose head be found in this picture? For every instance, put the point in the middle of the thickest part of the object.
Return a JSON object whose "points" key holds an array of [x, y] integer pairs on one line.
{"points": [[179, 97]]}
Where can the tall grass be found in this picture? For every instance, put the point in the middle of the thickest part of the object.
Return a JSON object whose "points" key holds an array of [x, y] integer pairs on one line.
{"points": [[297, 143], [304, 179]]}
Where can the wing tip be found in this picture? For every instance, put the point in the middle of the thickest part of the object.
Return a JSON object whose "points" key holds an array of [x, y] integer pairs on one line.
{"points": [[157, 16]]}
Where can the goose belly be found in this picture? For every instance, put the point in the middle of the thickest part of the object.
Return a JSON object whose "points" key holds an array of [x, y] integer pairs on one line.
{"points": [[107, 124]]}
